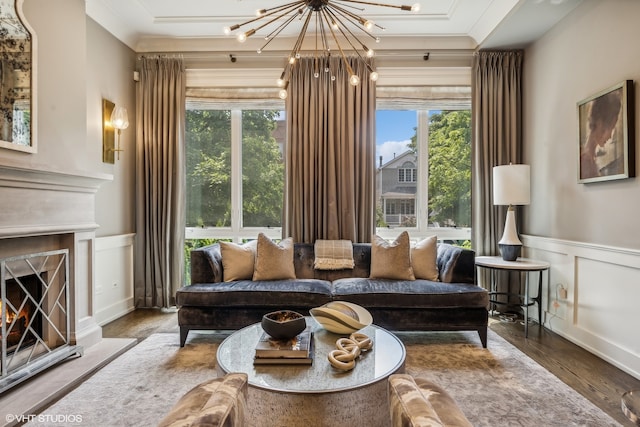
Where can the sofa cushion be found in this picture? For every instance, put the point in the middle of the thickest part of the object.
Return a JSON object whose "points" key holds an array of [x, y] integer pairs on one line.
{"points": [[423, 259], [217, 402], [238, 260], [274, 261], [250, 293], [391, 260], [409, 293]]}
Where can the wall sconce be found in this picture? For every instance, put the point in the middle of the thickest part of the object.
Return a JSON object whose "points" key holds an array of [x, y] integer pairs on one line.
{"points": [[113, 118], [120, 121]]}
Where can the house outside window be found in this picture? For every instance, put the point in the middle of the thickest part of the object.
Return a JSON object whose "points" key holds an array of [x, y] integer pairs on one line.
{"points": [[407, 173], [423, 173]]}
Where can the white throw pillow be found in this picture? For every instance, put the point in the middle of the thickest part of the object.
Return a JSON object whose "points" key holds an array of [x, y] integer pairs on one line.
{"points": [[423, 259], [238, 260]]}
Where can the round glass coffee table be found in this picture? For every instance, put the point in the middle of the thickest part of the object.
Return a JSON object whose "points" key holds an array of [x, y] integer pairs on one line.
{"points": [[317, 394]]}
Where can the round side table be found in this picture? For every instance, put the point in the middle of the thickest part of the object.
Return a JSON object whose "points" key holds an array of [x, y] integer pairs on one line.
{"points": [[524, 266], [631, 405]]}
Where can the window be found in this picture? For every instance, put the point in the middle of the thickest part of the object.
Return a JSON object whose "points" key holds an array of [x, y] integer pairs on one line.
{"points": [[235, 166], [235, 172], [423, 179], [407, 173]]}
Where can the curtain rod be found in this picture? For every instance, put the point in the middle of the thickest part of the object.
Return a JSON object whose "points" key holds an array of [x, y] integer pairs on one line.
{"points": [[425, 54]]}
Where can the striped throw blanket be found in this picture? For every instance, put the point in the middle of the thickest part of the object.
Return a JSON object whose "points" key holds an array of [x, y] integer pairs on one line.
{"points": [[333, 255]]}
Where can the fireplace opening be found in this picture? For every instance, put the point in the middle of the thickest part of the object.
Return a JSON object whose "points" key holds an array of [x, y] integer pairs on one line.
{"points": [[35, 315], [22, 321]]}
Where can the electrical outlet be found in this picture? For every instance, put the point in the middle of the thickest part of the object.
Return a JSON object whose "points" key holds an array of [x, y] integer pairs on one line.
{"points": [[562, 292]]}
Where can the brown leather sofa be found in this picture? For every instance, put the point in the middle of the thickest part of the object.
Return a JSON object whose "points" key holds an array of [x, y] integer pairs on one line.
{"points": [[453, 303]]}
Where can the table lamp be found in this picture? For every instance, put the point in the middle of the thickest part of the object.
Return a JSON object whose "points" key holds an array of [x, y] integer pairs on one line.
{"points": [[511, 188]]}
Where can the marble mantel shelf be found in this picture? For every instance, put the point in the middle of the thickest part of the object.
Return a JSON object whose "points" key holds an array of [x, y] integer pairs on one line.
{"points": [[11, 176], [38, 202]]}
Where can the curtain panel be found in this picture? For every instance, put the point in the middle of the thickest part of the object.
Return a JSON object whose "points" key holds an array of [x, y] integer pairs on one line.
{"points": [[160, 181], [497, 138], [330, 155]]}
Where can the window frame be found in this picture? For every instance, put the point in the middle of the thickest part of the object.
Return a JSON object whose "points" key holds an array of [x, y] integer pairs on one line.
{"points": [[420, 101], [422, 228], [237, 232]]}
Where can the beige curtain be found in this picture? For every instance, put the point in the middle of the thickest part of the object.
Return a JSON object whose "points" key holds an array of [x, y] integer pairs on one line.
{"points": [[497, 138], [330, 154], [160, 181]]}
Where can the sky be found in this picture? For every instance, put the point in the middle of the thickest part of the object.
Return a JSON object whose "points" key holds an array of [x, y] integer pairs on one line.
{"points": [[393, 134]]}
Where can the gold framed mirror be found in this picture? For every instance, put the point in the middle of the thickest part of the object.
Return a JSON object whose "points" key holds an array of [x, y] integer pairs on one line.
{"points": [[17, 79]]}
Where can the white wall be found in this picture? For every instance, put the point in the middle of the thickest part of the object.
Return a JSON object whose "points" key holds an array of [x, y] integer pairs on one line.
{"points": [[110, 66], [79, 63], [61, 84], [114, 277], [588, 232]]}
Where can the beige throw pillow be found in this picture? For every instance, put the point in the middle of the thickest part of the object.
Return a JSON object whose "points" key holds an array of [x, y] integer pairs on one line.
{"points": [[273, 261], [238, 260], [423, 259], [391, 260]]}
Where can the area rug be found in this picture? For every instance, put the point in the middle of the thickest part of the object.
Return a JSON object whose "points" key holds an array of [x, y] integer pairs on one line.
{"points": [[497, 386]]}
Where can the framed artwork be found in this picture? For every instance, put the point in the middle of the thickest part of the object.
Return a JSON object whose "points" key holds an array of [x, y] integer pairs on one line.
{"points": [[606, 135]]}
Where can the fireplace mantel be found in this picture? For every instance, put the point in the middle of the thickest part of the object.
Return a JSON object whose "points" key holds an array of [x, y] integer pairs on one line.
{"points": [[44, 209], [35, 202]]}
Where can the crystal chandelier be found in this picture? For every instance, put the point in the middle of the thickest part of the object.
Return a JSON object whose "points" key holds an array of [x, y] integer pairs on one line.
{"points": [[334, 20]]}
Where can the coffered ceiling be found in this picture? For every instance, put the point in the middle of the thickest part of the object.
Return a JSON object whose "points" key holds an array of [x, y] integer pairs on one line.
{"points": [[197, 25]]}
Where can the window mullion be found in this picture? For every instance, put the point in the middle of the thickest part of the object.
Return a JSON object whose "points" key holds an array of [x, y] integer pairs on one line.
{"points": [[422, 193], [236, 171]]}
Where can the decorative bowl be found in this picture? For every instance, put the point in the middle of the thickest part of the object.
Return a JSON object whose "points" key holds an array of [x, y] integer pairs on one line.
{"points": [[283, 324], [341, 317]]}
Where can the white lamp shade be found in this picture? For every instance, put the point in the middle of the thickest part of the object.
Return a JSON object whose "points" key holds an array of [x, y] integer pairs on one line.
{"points": [[511, 185], [119, 118]]}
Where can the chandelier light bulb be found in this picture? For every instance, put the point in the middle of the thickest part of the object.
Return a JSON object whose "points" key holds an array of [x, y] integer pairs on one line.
{"points": [[354, 80], [415, 7], [369, 25], [283, 94], [242, 37], [227, 31], [292, 60], [373, 76], [370, 53], [260, 12]]}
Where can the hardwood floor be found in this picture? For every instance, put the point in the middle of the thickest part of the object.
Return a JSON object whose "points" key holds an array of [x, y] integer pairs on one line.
{"points": [[597, 380]]}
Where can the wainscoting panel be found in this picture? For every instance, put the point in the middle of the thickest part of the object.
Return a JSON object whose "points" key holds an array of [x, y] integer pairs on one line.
{"points": [[114, 277], [600, 310]]}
